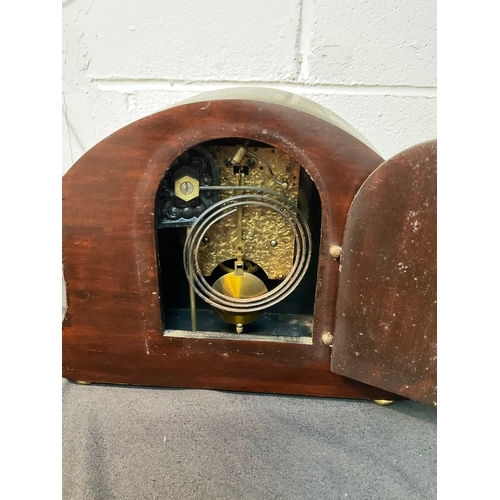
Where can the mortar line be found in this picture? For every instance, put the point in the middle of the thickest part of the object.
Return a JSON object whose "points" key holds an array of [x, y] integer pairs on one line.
{"points": [[131, 85], [65, 113], [304, 38], [298, 45]]}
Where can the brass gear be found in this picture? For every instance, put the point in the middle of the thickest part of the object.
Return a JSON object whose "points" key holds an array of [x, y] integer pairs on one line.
{"points": [[249, 267]]}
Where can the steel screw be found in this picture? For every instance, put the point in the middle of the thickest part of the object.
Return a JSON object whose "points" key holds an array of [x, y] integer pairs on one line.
{"points": [[186, 188]]}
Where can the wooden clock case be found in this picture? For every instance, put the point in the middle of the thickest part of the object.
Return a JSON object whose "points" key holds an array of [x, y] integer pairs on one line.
{"points": [[374, 320]]}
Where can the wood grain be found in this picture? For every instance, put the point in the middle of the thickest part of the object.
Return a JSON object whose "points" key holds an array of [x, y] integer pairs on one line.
{"points": [[112, 331], [386, 329]]}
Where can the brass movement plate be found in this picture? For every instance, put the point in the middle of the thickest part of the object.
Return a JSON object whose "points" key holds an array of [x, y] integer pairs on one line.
{"points": [[268, 238]]}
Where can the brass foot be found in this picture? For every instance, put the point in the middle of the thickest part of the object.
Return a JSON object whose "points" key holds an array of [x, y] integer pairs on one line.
{"points": [[383, 402], [82, 382]]}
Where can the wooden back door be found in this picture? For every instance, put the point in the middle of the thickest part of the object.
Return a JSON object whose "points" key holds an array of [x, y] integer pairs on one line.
{"points": [[385, 326]]}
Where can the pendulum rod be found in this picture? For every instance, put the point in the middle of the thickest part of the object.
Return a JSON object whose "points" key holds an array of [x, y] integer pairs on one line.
{"points": [[192, 295], [240, 246]]}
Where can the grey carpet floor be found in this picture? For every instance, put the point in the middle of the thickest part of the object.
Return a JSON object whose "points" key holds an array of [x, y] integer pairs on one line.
{"points": [[133, 443]]}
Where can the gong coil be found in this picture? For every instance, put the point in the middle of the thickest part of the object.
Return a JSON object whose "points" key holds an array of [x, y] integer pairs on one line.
{"points": [[252, 196]]}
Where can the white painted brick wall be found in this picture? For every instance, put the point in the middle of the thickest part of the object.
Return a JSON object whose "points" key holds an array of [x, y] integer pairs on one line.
{"points": [[365, 42], [372, 63]]}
